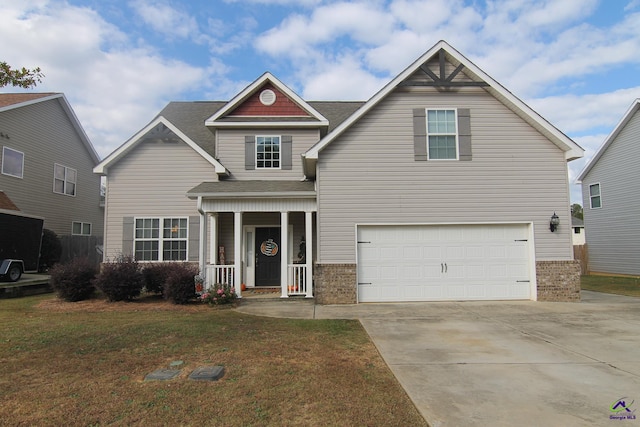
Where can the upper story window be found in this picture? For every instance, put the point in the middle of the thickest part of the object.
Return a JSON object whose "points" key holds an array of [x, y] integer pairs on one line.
{"points": [[267, 152], [12, 162], [64, 180], [160, 239], [81, 228], [594, 196], [442, 135]]}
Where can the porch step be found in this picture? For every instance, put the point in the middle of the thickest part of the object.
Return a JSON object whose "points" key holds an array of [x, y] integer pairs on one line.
{"points": [[273, 297]]}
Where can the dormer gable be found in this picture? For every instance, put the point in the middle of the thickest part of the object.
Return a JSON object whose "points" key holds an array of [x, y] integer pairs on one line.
{"points": [[267, 102]]}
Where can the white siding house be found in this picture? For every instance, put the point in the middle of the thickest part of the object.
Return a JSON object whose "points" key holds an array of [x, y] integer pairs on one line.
{"points": [[611, 199], [440, 187]]}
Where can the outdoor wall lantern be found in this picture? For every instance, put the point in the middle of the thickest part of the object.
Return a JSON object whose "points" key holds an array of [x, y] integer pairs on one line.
{"points": [[554, 223]]}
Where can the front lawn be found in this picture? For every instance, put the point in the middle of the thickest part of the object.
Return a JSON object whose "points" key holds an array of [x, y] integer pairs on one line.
{"points": [[85, 363], [629, 286]]}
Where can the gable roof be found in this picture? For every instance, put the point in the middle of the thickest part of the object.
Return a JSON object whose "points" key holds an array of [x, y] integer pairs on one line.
{"points": [[221, 117], [635, 106], [12, 101], [476, 75], [160, 127]]}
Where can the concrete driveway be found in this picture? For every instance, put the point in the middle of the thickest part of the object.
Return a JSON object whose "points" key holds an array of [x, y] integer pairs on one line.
{"points": [[504, 363], [511, 363]]}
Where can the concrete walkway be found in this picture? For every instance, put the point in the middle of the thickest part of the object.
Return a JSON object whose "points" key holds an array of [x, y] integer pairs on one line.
{"points": [[503, 363]]}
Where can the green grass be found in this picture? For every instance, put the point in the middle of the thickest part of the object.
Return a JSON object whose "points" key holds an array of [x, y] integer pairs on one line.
{"points": [[629, 286], [60, 365]]}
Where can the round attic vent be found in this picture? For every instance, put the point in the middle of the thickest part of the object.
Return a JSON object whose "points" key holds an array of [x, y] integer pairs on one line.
{"points": [[267, 97]]}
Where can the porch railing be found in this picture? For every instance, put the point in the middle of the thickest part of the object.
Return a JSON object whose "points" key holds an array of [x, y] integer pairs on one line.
{"points": [[297, 280], [220, 274]]}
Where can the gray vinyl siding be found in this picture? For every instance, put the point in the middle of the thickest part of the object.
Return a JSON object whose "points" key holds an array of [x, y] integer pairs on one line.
{"points": [[152, 181], [45, 134], [369, 175], [231, 152], [613, 231]]}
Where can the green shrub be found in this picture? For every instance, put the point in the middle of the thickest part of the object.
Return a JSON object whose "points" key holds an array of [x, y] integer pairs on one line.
{"points": [[73, 281], [50, 250], [155, 276], [219, 294], [179, 285], [120, 280]]}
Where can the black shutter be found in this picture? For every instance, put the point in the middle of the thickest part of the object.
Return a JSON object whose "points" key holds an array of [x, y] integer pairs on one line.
{"points": [[249, 152], [464, 133], [419, 134], [286, 154]]}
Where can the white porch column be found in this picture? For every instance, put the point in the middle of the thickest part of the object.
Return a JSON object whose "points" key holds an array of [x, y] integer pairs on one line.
{"points": [[213, 238], [284, 253], [202, 246], [308, 225], [237, 252]]}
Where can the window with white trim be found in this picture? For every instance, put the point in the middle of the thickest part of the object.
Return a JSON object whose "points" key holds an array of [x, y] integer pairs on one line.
{"points": [[12, 162], [81, 228], [594, 196], [442, 134], [267, 152], [160, 239], [64, 180]]}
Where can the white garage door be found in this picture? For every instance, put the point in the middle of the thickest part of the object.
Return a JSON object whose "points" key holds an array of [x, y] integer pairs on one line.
{"points": [[444, 262]]}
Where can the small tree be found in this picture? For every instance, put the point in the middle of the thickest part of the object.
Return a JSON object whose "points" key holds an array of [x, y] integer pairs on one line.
{"points": [[179, 287], [576, 211], [120, 280], [23, 77], [73, 281]]}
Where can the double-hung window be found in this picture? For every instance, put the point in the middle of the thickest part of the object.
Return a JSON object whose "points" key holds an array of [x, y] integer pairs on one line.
{"points": [[12, 162], [594, 196], [160, 239], [442, 134], [267, 152], [64, 180], [81, 228]]}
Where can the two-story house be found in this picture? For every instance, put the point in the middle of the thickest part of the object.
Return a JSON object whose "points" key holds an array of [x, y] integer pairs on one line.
{"points": [[442, 186], [47, 161]]}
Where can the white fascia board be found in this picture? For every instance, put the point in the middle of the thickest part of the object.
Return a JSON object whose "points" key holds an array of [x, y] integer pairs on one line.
{"points": [[133, 141], [211, 121], [571, 149], [635, 106]]}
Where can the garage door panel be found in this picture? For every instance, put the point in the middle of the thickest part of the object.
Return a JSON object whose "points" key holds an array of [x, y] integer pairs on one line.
{"points": [[430, 263]]}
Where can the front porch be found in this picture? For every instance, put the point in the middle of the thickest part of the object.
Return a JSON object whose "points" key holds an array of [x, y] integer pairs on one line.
{"points": [[259, 234]]}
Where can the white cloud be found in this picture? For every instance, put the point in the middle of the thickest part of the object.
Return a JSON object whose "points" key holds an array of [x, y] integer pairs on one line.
{"points": [[113, 86], [166, 20], [298, 35], [344, 79]]}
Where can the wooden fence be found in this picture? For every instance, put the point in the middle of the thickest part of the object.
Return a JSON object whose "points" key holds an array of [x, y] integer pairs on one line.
{"points": [[581, 254], [89, 247]]}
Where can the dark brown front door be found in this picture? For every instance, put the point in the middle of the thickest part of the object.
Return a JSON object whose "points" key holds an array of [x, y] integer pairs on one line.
{"points": [[268, 256]]}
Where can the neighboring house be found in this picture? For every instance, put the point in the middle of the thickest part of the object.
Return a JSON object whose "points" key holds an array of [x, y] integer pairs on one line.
{"points": [[46, 163], [578, 231], [611, 199], [440, 187]]}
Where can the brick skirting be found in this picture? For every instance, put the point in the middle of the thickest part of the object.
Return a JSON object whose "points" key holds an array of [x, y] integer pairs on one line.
{"points": [[558, 281], [335, 283]]}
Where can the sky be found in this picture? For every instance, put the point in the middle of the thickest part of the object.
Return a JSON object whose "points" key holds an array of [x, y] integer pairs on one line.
{"points": [[119, 62]]}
